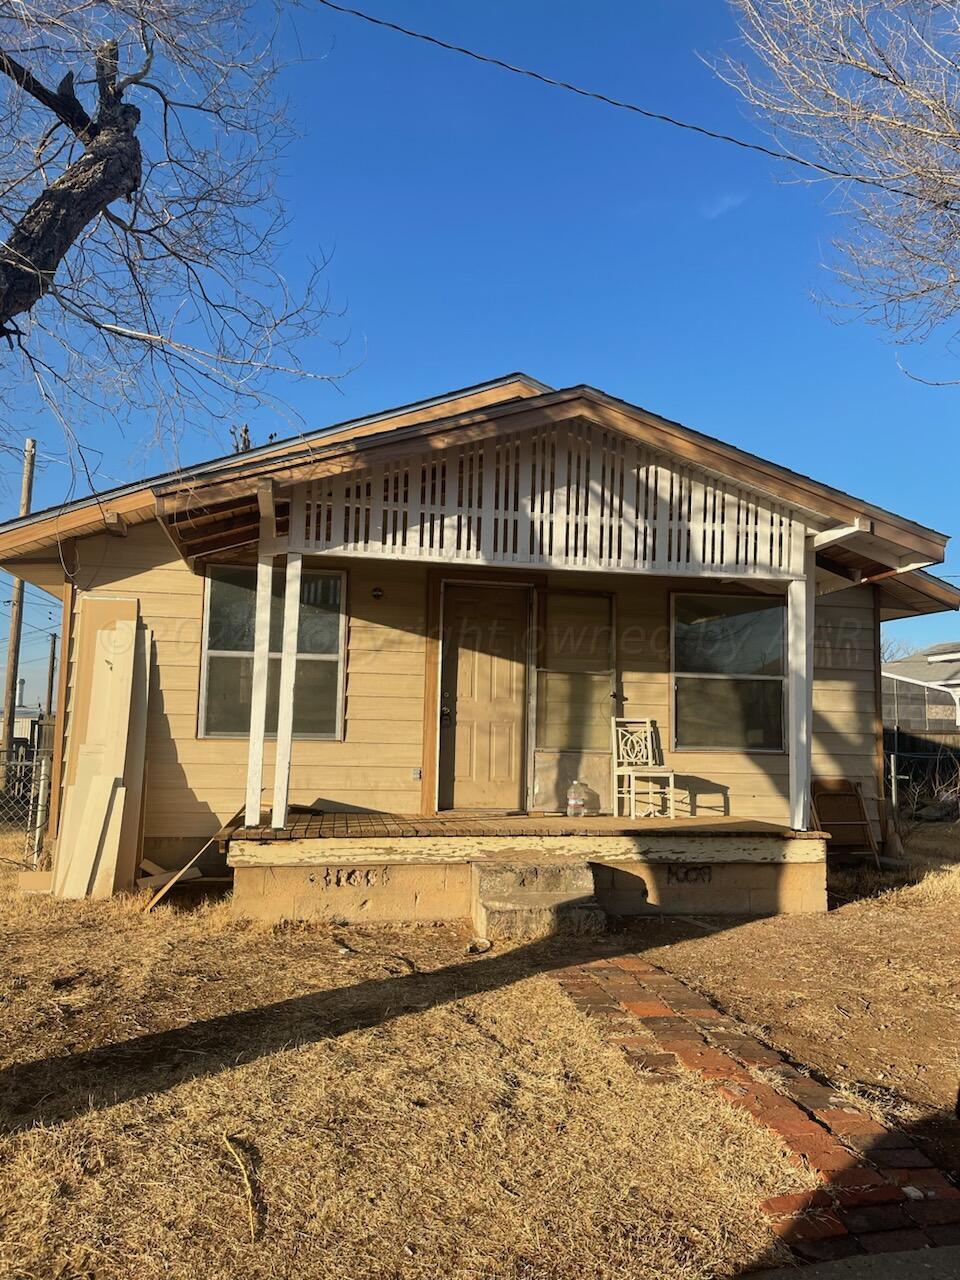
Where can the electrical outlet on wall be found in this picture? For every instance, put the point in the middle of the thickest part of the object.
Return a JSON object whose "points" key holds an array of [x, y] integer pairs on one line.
{"points": [[417, 775]]}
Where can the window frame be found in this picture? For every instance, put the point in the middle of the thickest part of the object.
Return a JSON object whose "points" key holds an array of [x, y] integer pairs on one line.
{"points": [[340, 657], [697, 675], [539, 668]]}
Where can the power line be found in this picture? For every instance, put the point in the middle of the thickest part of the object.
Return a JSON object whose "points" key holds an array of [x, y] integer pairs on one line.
{"points": [[49, 457], [55, 626], [648, 114], [44, 631], [37, 599], [28, 662]]}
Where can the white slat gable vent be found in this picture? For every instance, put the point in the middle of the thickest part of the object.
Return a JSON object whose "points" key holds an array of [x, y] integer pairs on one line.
{"points": [[571, 496]]}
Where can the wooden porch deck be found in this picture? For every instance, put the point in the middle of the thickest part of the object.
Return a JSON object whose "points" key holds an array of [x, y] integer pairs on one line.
{"points": [[314, 824]]}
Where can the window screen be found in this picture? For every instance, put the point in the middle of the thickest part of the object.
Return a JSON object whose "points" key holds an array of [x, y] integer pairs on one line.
{"points": [[729, 670], [229, 653], [575, 679]]}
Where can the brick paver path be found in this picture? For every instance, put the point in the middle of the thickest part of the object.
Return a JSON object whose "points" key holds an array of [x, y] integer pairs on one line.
{"points": [[879, 1193]]}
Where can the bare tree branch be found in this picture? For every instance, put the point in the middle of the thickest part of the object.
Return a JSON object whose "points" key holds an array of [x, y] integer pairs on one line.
{"points": [[173, 307], [872, 87], [64, 103]]}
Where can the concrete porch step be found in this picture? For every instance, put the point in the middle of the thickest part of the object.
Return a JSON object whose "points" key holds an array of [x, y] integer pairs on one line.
{"points": [[568, 876], [535, 899]]}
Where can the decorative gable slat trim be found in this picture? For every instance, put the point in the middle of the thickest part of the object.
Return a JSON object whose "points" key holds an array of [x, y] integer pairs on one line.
{"points": [[568, 496]]}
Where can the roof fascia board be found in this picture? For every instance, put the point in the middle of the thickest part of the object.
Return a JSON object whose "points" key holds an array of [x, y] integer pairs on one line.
{"points": [[801, 492], [902, 593], [924, 684], [742, 457], [163, 479], [344, 453]]}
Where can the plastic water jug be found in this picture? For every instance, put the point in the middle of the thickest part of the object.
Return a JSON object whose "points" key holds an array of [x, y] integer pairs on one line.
{"points": [[576, 799]]}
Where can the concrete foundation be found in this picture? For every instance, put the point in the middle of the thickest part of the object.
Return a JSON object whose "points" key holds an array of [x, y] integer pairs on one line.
{"points": [[784, 876], [388, 893]]}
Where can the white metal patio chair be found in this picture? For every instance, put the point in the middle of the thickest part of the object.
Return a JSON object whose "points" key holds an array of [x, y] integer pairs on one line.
{"points": [[637, 757]]}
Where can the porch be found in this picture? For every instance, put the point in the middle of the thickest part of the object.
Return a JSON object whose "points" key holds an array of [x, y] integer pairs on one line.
{"points": [[458, 623], [516, 874]]}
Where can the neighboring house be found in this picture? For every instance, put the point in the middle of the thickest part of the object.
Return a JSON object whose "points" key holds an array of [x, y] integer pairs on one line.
{"points": [[475, 585], [921, 693], [26, 719]]}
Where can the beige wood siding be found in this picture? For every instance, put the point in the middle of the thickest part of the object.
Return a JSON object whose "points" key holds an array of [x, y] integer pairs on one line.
{"points": [[742, 784], [709, 783], [845, 692], [194, 783]]}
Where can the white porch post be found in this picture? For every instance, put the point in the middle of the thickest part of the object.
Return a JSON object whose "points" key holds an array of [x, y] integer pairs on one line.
{"points": [[288, 658], [288, 680], [801, 596], [258, 696], [261, 654]]}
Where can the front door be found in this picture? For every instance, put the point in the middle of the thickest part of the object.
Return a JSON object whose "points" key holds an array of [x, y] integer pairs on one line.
{"points": [[483, 698]]}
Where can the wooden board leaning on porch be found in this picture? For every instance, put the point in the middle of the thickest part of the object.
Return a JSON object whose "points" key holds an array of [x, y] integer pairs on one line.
{"points": [[839, 810]]}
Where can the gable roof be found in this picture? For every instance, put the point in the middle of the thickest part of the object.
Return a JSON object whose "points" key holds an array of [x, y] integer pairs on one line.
{"points": [[918, 667], [135, 502], [214, 505]]}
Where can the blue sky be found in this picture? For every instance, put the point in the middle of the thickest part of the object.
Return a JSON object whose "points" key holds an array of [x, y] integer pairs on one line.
{"points": [[481, 223]]}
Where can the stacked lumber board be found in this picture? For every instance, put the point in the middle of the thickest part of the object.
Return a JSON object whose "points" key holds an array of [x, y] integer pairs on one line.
{"points": [[100, 835]]}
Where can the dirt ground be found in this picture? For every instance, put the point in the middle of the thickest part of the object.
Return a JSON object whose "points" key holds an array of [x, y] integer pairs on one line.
{"points": [[181, 1095], [868, 995]]}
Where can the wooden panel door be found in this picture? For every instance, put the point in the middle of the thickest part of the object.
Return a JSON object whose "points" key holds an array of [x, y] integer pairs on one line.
{"points": [[483, 698]]}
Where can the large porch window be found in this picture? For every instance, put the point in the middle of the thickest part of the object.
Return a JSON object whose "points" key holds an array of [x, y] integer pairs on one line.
{"points": [[227, 680], [575, 680], [729, 672]]}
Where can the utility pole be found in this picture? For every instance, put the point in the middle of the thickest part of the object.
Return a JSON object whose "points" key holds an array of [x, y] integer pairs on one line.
{"points": [[16, 615], [51, 668]]}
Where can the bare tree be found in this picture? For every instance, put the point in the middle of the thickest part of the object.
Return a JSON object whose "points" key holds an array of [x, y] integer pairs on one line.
{"points": [[139, 273], [872, 88], [892, 650]]}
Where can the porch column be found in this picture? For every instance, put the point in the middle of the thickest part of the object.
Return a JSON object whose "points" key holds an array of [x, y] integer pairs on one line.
{"points": [[288, 680], [801, 596], [266, 546], [288, 657], [258, 694]]}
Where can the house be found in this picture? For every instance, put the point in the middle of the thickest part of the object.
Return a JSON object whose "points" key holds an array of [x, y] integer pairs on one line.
{"points": [[381, 653], [921, 692], [26, 719]]}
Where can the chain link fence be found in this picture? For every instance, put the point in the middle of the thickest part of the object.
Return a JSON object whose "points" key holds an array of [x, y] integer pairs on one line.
{"points": [[25, 778], [923, 777]]}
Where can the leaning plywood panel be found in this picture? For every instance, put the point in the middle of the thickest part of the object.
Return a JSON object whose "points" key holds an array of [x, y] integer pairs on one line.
{"points": [[89, 839], [95, 821], [130, 838], [71, 821], [103, 880], [95, 614], [86, 758]]}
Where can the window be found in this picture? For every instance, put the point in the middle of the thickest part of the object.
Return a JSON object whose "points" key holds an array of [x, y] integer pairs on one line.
{"points": [[575, 680], [228, 653], [729, 669]]}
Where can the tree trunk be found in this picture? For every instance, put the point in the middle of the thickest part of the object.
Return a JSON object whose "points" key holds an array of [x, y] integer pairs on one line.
{"points": [[109, 169]]}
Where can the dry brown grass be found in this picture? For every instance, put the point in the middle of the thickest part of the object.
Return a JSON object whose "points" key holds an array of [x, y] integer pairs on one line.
{"points": [[867, 994], [931, 858], [389, 1123]]}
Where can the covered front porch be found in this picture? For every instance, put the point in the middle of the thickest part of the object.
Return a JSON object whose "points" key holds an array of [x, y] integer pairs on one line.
{"points": [[513, 874], [426, 637]]}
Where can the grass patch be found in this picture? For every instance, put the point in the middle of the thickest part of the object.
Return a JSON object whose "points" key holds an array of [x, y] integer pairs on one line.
{"points": [[341, 1102], [867, 994]]}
